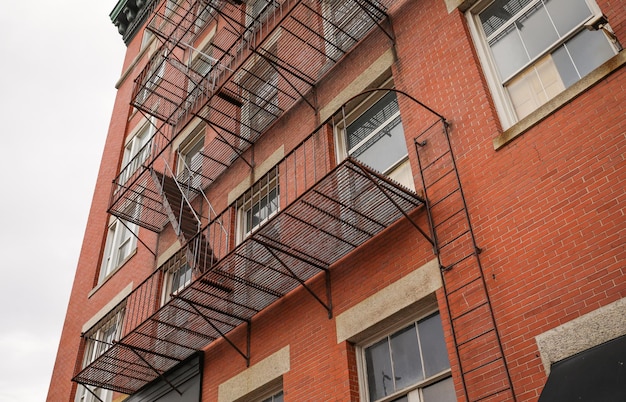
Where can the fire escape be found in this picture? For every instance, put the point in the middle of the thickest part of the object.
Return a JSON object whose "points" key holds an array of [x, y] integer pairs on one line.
{"points": [[261, 62]]}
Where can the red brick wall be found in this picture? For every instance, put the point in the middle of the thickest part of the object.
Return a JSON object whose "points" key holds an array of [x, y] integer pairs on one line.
{"points": [[547, 210]]}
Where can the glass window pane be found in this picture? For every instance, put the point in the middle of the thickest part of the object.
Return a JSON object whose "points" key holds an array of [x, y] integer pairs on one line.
{"points": [[407, 363], [383, 110], [508, 52], [589, 49], [536, 30], [499, 12], [442, 391], [384, 149], [567, 14], [379, 374], [433, 343], [565, 66]]}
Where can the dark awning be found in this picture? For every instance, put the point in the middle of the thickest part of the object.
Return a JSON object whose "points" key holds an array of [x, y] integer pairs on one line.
{"points": [[595, 375]]}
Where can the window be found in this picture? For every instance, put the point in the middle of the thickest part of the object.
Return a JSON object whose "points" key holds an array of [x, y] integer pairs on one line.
{"points": [[176, 279], [532, 50], [260, 108], [258, 204], [97, 341], [190, 157], [274, 398], [408, 365], [120, 244], [136, 151], [373, 134]]}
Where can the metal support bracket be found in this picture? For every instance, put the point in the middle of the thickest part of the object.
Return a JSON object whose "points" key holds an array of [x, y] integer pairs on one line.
{"points": [[329, 305], [246, 355], [382, 190], [161, 376]]}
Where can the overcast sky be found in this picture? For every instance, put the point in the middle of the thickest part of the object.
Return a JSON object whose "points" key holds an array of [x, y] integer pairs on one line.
{"points": [[59, 61]]}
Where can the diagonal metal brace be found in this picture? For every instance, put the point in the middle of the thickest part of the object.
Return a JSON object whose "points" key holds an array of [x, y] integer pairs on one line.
{"points": [[328, 306], [161, 376], [92, 393], [369, 176], [246, 355]]}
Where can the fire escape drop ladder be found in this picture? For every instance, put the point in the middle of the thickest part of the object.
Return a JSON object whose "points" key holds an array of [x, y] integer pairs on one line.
{"points": [[477, 340]]}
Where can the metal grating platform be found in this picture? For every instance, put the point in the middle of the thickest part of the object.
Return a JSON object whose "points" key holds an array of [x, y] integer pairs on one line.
{"points": [[347, 207]]}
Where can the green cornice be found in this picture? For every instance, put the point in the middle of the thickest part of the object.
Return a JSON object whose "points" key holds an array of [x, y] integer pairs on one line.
{"points": [[129, 15]]}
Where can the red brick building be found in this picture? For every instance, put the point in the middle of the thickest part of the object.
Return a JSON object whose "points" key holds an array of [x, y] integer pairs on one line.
{"points": [[357, 200]]}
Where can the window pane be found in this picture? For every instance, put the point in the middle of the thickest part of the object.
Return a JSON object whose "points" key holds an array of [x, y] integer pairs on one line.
{"points": [[589, 49], [567, 14], [508, 52], [433, 345], [442, 391], [537, 30], [379, 374], [565, 66], [385, 149], [499, 12], [406, 358]]}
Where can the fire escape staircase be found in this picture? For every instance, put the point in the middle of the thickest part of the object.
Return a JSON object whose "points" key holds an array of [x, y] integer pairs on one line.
{"points": [[177, 197], [478, 343]]}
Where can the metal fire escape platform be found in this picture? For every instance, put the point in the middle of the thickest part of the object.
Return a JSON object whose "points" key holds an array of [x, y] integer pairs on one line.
{"points": [[348, 206], [255, 68]]}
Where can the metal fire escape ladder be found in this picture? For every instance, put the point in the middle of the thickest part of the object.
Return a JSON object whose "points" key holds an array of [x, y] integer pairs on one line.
{"points": [[478, 343]]}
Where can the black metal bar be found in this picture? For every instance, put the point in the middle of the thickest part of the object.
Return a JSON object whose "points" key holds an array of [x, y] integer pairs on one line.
{"points": [[216, 310], [132, 349], [293, 275], [382, 190], [245, 356], [92, 393], [248, 283], [343, 205], [277, 67], [322, 265], [254, 310], [304, 222], [334, 217], [137, 237]]}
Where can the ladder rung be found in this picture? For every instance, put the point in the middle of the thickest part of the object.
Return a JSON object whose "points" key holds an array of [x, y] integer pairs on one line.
{"points": [[470, 310], [454, 239], [475, 337], [459, 261], [437, 159], [440, 178], [442, 199], [449, 217], [482, 398], [484, 365], [464, 285]]}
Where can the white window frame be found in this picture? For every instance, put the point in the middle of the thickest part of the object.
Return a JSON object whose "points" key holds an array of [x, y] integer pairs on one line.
{"points": [[97, 341], [502, 100], [137, 150], [271, 396], [188, 154], [251, 198], [168, 277], [118, 237], [414, 391], [400, 170]]}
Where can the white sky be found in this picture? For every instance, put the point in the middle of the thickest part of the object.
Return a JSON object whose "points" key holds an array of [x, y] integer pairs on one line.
{"points": [[59, 61]]}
